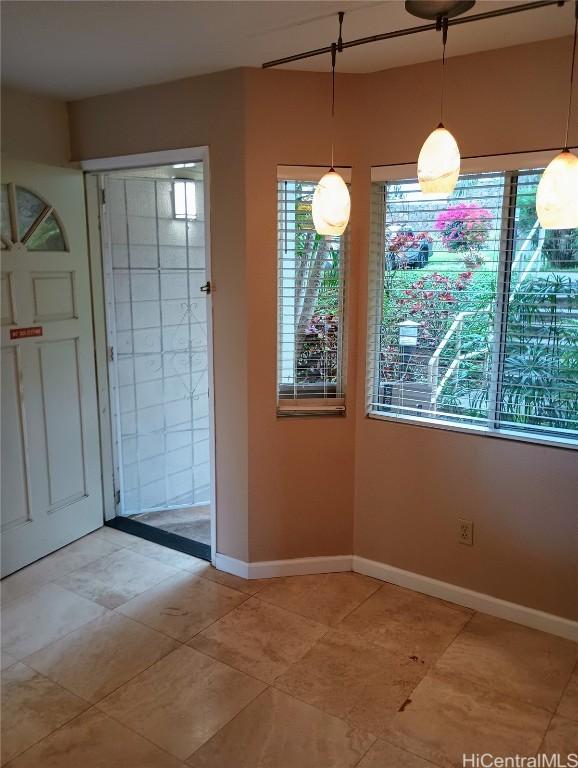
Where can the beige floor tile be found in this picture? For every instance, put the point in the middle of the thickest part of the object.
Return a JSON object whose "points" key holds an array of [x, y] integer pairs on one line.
{"points": [[40, 617], [258, 638], [248, 586], [95, 741], [384, 755], [568, 706], [182, 700], [524, 663], [117, 578], [407, 623], [168, 556], [75, 555], [561, 738], [276, 731], [447, 717], [326, 598], [346, 676], [32, 707], [102, 655], [119, 538], [182, 606]]}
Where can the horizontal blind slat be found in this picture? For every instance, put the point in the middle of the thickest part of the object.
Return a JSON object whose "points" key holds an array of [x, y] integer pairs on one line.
{"points": [[310, 297], [436, 266]]}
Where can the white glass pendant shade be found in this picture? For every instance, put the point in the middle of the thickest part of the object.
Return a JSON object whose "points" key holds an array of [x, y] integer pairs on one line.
{"points": [[557, 195], [438, 165], [331, 205]]}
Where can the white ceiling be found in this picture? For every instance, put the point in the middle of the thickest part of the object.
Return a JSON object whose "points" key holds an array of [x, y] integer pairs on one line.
{"points": [[76, 48]]}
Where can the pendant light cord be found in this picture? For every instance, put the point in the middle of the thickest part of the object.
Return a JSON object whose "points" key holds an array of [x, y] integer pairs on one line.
{"points": [[443, 23], [338, 46], [333, 58], [571, 75]]}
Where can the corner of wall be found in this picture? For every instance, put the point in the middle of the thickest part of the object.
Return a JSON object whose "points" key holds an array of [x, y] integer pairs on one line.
{"points": [[35, 127]]}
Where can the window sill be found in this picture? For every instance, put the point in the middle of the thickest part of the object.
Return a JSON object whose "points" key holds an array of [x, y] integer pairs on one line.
{"points": [[521, 437], [311, 407]]}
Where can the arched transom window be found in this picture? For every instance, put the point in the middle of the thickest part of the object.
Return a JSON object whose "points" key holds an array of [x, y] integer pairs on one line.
{"points": [[29, 222]]}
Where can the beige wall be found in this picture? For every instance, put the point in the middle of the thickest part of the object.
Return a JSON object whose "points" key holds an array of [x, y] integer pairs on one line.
{"points": [[289, 488], [412, 483], [34, 128], [194, 112], [301, 470], [274, 500], [498, 101]]}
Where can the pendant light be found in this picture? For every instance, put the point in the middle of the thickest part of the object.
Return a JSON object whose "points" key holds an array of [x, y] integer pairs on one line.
{"points": [[557, 195], [438, 165], [331, 202]]}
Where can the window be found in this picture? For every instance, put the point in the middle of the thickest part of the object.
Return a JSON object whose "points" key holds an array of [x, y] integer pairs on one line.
{"points": [[28, 221], [474, 309], [184, 199], [310, 305]]}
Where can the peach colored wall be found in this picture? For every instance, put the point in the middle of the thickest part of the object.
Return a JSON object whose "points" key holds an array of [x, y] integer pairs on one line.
{"points": [[194, 112], [300, 470], [34, 128], [496, 101], [274, 498], [412, 483], [299, 491], [289, 488]]}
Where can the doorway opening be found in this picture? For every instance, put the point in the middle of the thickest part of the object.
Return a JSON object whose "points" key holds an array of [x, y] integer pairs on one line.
{"points": [[157, 298]]}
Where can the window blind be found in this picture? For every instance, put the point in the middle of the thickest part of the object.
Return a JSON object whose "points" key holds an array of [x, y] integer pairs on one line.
{"points": [[473, 308], [310, 308]]}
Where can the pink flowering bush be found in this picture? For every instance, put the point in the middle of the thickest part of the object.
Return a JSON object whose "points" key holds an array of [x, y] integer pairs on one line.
{"points": [[465, 228]]}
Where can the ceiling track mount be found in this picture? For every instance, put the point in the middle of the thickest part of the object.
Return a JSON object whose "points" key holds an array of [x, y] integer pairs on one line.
{"points": [[450, 11], [438, 9]]}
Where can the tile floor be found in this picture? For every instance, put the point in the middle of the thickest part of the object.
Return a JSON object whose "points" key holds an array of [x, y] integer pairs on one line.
{"points": [[119, 653]]}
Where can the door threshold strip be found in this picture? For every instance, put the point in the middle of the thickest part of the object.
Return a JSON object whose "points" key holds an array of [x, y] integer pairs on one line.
{"points": [[164, 538]]}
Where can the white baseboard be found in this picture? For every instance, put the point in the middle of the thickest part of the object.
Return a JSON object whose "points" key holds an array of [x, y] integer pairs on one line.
{"points": [[478, 601], [232, 565], [267, 569]]}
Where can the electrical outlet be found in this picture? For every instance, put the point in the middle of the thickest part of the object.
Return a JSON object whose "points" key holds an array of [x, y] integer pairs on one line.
{"points": [[465, 532]]}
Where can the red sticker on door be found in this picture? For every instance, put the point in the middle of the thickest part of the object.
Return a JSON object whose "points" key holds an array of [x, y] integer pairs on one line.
{"points": [[26, 333]]}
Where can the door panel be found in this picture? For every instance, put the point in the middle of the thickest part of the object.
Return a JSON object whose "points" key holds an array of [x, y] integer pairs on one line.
{"points": [[51, 489], [7, 303], [15, 496], [59, 376], [54, 297]]}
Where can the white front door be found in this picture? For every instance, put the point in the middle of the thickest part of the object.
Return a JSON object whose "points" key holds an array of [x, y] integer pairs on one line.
{"points": [[51, 472]]}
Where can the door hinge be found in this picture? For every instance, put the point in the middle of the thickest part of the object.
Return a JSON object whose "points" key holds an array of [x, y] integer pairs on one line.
{"points": [[117, 498], [206, 288], [111, 354], [102, 196]]}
